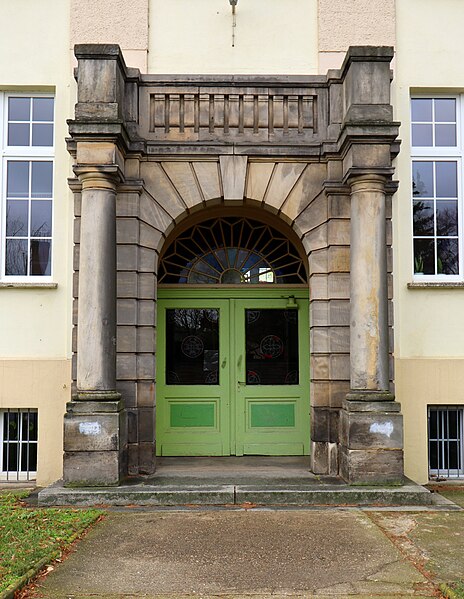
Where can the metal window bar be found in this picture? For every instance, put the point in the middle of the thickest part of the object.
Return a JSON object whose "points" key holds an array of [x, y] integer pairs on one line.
{"points": [[18, 456], [446, 447]]}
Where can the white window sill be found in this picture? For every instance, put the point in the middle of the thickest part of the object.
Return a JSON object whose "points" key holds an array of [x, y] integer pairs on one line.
{"points": [[436, 285], [27, 285]]}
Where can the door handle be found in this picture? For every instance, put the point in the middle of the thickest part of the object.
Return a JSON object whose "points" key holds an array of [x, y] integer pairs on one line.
{"points": [[239, 361], [224, 362]]}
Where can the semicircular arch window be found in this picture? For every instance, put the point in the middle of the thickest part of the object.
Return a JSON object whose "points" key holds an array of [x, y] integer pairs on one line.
{"points": [[232, 251]]}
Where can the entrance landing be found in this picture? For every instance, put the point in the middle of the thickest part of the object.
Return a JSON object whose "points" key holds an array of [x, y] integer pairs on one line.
{"points": [[235, 481]]}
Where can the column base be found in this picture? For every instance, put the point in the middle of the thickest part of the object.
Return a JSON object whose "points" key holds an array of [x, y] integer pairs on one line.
{"points": [[371, 439], [95, 442]]}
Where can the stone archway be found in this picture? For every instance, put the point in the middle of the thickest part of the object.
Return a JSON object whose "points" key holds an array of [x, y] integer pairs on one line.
{"points": [[149, 151]]}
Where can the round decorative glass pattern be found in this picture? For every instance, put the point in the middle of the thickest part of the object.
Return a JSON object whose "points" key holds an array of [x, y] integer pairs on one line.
{"points": [[192, 346], [232, 251]]}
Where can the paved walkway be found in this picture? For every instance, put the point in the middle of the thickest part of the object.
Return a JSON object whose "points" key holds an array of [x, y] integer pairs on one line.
{"points": [[231, 552]]}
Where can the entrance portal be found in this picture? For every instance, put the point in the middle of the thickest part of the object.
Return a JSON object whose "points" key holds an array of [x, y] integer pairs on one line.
{"points": [[233, 376], [233, 345]]}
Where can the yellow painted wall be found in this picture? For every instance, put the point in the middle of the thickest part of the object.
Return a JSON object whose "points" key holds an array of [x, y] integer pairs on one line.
{"points": [[429, 323], [44, 385], [35, 325], [271, 36]]}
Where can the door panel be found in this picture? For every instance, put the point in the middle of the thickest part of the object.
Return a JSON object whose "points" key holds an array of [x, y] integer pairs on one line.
{"points": [[193, 381], [272, 393], [233, 377]]}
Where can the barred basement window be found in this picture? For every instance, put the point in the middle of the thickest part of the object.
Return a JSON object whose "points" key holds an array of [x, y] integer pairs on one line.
{"points": [[18, 436], [446, 448]]}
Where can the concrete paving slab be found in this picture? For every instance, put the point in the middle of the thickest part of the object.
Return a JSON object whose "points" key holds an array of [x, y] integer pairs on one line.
{"points": [[236, 553], [434, 541]]}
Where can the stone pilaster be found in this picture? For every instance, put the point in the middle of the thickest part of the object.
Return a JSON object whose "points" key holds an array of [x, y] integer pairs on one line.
{"points": [[371, 433], [94, 424]]}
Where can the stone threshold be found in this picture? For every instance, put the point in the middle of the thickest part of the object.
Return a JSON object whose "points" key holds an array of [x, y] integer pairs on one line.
{"points": [[187, 493]]}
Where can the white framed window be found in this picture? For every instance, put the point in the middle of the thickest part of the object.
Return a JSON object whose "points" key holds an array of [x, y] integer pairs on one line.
{"points": [[445, 438], [26, 178], [437, 187], [18, 439]]}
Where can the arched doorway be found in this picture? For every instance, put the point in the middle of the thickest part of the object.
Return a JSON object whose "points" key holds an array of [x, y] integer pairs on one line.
{"points": [[233, 339]]}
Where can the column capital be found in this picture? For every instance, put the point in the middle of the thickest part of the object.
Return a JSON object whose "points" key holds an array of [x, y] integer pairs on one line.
{"points": [[366, 182], [99, 176]]}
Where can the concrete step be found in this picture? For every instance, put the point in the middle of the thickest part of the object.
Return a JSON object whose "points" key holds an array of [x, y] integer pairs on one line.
{"points": [[187, 493]]}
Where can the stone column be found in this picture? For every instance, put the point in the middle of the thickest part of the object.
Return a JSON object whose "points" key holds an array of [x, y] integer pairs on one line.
{"points": [[371, 425], [96, 344], [94, 429], [368, 286]]}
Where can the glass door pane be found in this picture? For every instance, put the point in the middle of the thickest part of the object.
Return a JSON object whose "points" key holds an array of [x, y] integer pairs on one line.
{"points": [[271, 341]]}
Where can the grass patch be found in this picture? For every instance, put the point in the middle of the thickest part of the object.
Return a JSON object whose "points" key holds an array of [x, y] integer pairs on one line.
{"points": [[456, 495], [28, 536], [454, 590]]}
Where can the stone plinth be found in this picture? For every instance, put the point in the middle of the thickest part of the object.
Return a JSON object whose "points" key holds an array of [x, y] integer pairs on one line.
{"points": [[94, 443], [371, 439]]}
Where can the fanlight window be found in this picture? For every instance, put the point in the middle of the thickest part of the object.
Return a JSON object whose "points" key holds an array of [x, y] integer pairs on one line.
{"points": [[232, 251]]}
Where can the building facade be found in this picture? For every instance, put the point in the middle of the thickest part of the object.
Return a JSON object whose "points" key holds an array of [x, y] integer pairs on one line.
{"points": [[225, 256]]}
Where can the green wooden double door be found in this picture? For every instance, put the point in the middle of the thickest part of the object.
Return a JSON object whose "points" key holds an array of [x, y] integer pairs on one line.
{"points": [[233, 376]]}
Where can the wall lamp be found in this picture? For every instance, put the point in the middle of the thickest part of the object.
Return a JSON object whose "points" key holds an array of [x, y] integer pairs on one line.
{"points": [[233, 3]]}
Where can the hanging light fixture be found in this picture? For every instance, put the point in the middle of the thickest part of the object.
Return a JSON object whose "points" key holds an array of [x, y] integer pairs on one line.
{"points": [[233, 3]]}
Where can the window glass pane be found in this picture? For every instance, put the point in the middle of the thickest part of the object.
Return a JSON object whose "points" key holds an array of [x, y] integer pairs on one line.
{"points": [[447, 217], [446, 174], [42, 135], [17, 216], [41, 218], [32, 426], [445, 135], [433, 431], [424, 259], [447, 256], [18, 134], [423, 217], [42, 109], [19, 109], [422, 179], [17, 180], [10, 457], [16, 257], [29, 457], [271, 347], [433, 455], [422, 135], [192, 346], [40, 257], [445, 110], [421, 109], [13, 426], [453, 430], [42, 179]]}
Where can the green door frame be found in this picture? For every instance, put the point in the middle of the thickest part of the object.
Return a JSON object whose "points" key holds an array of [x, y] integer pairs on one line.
{"points": [[232, 433]]}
